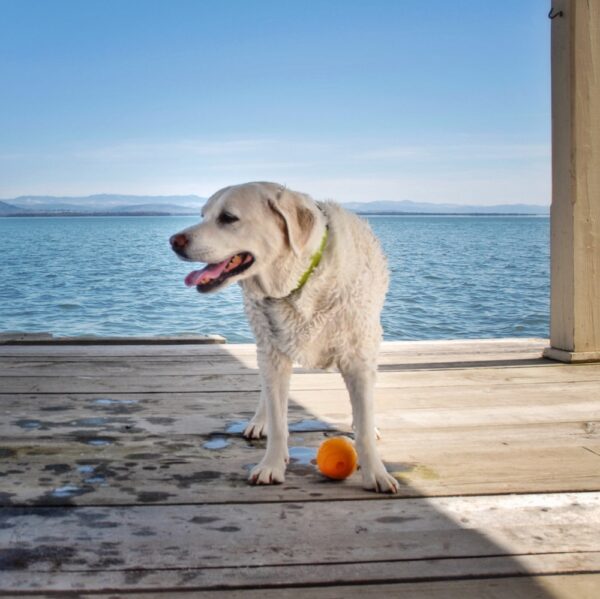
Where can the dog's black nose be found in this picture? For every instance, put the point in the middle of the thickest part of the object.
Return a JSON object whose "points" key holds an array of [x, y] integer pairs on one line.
{"points": [[179, 242]]}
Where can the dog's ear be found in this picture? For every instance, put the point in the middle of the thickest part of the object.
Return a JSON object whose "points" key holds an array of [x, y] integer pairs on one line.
{"points": [[298, 218]]}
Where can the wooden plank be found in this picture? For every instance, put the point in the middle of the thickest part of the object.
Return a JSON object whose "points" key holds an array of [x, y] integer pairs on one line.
{"points": [[165, 413], [396, 444], [493, 525], [97, 469], [407, 348], [552, 397], [571, 586], [140, 417], [410, 539], [531, 375], [417, 351], [48, 340], [292, 581], [228, 364]]}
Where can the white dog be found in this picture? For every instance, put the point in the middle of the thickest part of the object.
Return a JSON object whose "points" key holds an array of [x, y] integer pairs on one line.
{"points": [[314, 280]]}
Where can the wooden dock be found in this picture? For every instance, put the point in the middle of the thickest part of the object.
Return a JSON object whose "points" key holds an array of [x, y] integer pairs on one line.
{"points": [[123, 470]]}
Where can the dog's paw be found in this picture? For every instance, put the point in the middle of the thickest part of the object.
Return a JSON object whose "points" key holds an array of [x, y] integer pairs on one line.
{"points": [[378, 479], [256, 429], [268, 473]]}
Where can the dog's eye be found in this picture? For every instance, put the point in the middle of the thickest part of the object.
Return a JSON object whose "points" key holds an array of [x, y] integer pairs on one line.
{"points": [[226, 218]]}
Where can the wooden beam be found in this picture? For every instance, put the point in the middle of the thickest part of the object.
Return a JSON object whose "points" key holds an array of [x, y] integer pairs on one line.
{"points": [[575, 214]]}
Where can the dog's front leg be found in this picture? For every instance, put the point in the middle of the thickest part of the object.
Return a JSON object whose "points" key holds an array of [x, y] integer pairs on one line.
{"points": [[275, 371], [257, 427], [360, 381]]}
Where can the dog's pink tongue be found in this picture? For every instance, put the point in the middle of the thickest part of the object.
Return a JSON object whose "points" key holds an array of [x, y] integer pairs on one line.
{"points": [[208, 273]]}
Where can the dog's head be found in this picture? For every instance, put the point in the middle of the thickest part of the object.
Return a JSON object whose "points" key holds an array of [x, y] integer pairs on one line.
{"points": [[246, 229]]}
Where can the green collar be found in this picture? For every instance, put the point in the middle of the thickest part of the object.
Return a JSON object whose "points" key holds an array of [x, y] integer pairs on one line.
{"points": [[314, 261]]}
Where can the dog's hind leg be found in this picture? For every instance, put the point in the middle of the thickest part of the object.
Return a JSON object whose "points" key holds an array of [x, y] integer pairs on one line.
{"points": [[360, 381], [275, 370]]}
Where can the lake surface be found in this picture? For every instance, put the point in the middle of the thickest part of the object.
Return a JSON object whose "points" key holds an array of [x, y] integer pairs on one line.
{"points": [[451, 277]]}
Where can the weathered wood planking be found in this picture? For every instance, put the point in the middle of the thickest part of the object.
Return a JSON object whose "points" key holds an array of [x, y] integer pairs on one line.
{"points": [[233, 359], [131, 484], [552, 397], [99, 383], [206, 412], [293, 581], [171, 470], [430, 431], [202, 365], [403, 349], [362, 539], [548, 586], [578, 423], [199, 429]]}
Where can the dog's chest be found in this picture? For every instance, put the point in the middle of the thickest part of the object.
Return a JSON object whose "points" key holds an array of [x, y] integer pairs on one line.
{"points": [[283, 326]]}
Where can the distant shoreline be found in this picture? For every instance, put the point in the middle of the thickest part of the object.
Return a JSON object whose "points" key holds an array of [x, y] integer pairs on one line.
{"points": [[93, 214], [450, 214], [54, 214], [130, 205]]}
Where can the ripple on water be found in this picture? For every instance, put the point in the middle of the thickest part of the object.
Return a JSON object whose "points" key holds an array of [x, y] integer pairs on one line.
{"points": [[68, 306]]}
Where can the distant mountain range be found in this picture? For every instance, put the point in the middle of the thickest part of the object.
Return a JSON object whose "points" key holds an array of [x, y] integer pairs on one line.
{"points": [[109, 204], [408, 207], [101, 204]]}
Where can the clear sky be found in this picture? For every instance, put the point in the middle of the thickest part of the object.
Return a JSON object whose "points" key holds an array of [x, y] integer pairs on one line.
{"points": [[365, 100]]}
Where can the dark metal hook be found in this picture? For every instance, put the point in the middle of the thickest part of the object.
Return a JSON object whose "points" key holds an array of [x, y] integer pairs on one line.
{"points": [[556, 14]]}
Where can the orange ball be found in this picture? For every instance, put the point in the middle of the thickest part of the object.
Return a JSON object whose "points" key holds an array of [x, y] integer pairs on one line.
{"points": [[337, 458]]}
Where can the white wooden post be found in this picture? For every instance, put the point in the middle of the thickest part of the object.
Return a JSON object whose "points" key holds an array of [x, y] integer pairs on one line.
{"points": [[575, 213]]}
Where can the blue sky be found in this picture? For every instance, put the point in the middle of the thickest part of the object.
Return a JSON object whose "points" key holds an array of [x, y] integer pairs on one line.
{"points": [[358, 101]]}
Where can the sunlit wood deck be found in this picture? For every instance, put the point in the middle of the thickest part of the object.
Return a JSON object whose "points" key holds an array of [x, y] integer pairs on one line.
{"points": [[122, 469]]}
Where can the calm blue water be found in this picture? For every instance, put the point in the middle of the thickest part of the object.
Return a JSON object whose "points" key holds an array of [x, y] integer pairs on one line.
{"points": [[451, 277]]}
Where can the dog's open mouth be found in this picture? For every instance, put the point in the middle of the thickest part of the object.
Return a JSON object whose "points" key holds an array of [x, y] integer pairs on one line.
{"points": [[213, 275]]}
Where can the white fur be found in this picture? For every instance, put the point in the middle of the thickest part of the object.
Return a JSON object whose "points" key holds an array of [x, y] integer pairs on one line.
{"points": [[332, 321]]}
